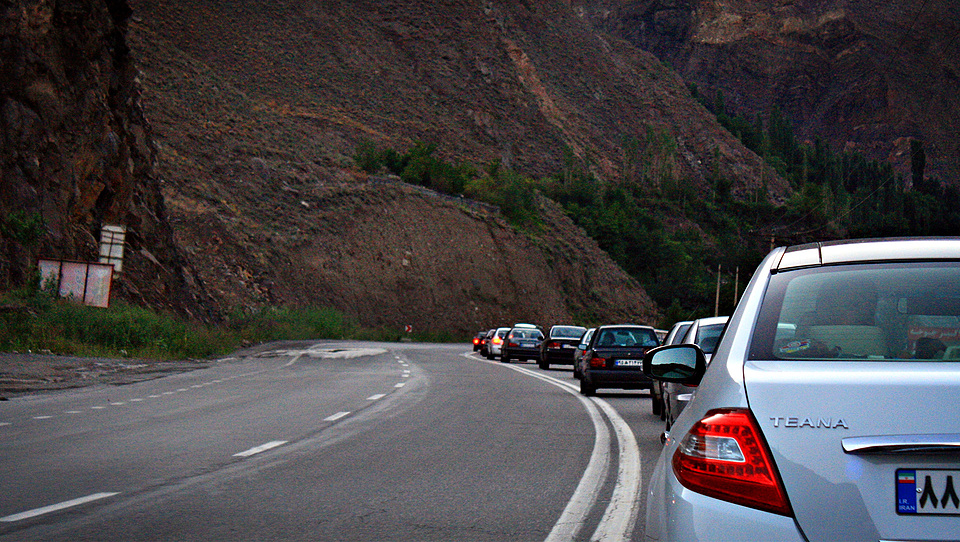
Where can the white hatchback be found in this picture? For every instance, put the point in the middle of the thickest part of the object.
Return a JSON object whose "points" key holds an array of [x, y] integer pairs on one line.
{"points": [[831, 408]]}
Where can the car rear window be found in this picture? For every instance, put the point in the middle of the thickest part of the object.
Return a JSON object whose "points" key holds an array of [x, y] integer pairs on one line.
{"points": [[526, 334], [902, 311], [627, 338], [708, 336], [567, 332]]}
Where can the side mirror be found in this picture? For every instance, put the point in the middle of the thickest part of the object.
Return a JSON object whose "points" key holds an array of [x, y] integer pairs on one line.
{"points": [[680, 363]]}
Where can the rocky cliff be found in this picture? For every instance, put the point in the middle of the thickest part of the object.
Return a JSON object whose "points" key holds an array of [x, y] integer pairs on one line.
{"points": [[77, 151], [867, 75]]}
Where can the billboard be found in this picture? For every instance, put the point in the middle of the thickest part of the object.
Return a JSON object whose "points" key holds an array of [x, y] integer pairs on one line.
{"points": [[88, 283]]}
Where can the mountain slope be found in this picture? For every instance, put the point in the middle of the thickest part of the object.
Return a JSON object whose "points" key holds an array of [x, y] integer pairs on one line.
{"points": [[867, 75], [258, 107]]}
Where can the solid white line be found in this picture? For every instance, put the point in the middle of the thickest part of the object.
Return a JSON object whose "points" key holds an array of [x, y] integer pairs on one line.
{"points": [[56, 507], [621, 515], [574, 515], [376, 397], [262, 448], [336, 416]]}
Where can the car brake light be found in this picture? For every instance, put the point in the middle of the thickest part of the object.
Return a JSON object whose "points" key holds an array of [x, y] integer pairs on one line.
{"points": [[553, 345], [598, 362], [497, 340], [513, 345], [725, 456]]}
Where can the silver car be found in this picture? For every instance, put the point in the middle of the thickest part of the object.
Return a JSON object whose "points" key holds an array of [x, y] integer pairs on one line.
{"points": [[674, 336], [830, 410], [705, 333]]}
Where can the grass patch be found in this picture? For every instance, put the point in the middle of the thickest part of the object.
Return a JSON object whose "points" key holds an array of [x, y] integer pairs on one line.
{"points": [[39, 321]]}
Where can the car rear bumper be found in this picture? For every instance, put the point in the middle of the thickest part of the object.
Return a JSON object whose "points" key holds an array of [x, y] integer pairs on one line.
{"points": [[611, 378], [557, 355], [525, 353]]}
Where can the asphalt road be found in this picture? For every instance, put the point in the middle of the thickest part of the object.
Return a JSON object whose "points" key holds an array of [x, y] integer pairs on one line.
{"points": [[330, 441]]}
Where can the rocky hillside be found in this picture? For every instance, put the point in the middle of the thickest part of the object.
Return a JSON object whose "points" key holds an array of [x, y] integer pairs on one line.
{"points": [[867, 75], [237, 176]]}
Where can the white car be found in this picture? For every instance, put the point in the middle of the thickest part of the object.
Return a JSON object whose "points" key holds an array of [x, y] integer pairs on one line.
{"points": [[831, 409], [496, 343]]}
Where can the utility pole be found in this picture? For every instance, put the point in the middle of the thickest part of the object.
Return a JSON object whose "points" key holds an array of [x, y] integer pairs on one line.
{"points": [[736, 286], [716, 304]]}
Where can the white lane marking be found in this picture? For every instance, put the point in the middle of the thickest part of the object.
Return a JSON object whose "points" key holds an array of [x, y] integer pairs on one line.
{"points": [[621, 514], [73, 412], [98, 407], [376, 397], [56, 507], [42, 417], [400, 384], [154, 396], [137, 400], [118, 403], [260, 449], [182, 390], [336, 416], [575, 514], [4, 424]]}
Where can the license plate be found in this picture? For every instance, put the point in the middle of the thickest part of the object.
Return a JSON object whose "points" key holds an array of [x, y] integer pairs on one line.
{"points": [[928, 492], [567, 346], [629, 362], [528, 345]]}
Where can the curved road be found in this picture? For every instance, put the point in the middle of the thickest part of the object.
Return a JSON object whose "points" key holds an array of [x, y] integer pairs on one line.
{"points": [[330, 441]]}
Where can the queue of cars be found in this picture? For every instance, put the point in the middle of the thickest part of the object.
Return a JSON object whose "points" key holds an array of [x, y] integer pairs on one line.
{"points": [[823, 408]]}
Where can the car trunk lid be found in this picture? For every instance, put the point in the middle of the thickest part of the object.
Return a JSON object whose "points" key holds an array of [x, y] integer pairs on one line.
{"points": [[853, 468]]}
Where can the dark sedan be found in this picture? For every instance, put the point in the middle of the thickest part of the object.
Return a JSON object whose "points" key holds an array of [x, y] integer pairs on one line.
{"points": [[614, 358], [560, 344], [521, 343]]}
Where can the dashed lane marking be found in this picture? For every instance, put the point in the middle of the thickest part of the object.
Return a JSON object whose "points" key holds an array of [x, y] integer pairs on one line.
{"points": [[260, 449], [56, 507], [336, 416]]}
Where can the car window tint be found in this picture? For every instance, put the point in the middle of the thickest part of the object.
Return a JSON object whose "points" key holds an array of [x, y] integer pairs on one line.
{"points": [[567, 332], [903, 311], [708, 336], [627, 338]]}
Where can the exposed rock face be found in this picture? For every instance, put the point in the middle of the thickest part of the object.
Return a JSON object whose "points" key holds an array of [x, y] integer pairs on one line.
{"points": [[860, 74], [77, 150]]}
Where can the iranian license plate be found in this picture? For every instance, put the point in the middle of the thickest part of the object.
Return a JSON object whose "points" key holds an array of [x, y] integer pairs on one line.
{"points": [[629, 363], [928, 492]]}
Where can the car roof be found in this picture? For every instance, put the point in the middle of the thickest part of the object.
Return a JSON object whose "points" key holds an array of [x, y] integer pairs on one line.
{"points": [[869, 250], [626, 325], [712, 320]]}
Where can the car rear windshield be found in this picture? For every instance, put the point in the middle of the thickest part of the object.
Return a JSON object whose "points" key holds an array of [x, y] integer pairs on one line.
{"points": [[526, 334], [627, 338], [567, 332], [902, 311]]}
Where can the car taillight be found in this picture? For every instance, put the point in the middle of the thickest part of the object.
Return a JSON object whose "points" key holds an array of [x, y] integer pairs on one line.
{"points": [[725, 456], [497, 340], [598, 362], [476, 341], [553, 345], [513, 345]]}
